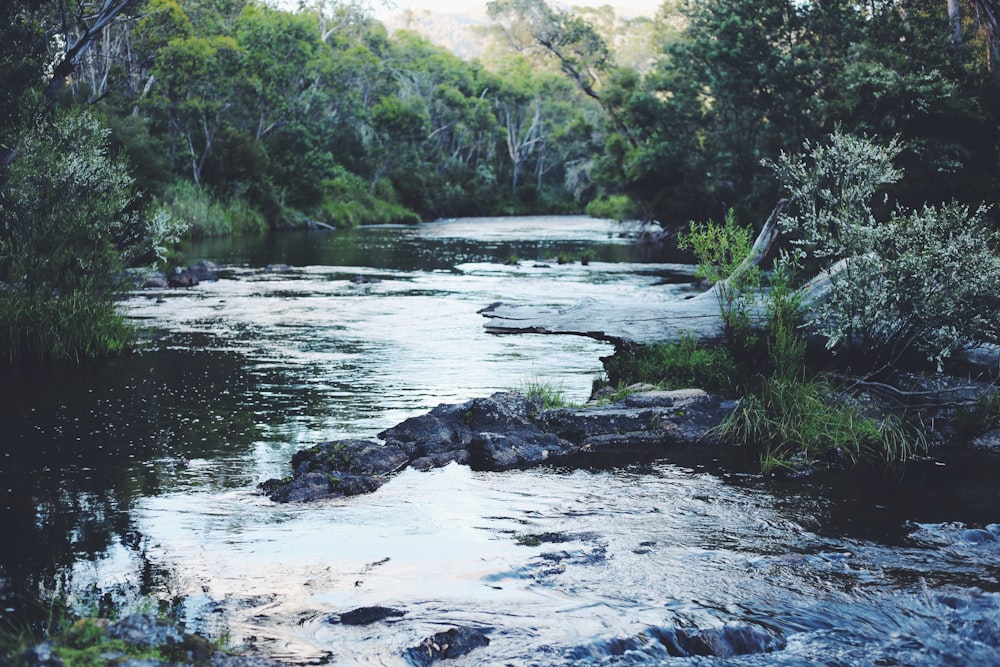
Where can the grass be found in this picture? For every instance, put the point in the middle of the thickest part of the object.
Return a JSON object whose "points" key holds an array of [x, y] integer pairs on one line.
{"points": [[72, 327], [679, 365], [548, 395], [802, 422]]}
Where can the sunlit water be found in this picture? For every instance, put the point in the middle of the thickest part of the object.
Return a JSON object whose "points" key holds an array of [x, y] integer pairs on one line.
{"points": [[135, 480]]}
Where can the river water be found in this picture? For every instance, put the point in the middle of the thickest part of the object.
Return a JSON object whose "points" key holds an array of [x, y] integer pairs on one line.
{"points": [[133, 482]]}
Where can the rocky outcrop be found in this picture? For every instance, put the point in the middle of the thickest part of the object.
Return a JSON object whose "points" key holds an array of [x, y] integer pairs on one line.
{"points": [[452, 643], [506, 430]]}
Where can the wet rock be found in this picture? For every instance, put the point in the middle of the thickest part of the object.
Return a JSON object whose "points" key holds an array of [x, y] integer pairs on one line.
{"points": [[337, 469], [987, 442], [365, 280], [446, 645], [660, 643], [205, 271], [366, 615], [506, 430], [182, 278], [145, 631]]}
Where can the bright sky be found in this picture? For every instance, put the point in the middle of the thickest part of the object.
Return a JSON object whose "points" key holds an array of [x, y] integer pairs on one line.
{"points": [[623, 7]]}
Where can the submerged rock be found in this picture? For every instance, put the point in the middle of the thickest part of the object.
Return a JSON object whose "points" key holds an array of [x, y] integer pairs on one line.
{"points": [[662, 643], [506, 430], [366, 615], [445, 645]]}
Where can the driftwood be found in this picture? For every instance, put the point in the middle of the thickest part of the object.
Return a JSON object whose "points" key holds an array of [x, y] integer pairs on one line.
{"points": [[626, 324], [700, 317]]}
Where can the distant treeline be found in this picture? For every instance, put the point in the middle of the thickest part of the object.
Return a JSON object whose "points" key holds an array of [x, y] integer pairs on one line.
{"points": [[236, 115]]}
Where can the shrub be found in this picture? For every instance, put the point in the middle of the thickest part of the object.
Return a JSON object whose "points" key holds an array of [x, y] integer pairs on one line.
{"points": [[924, 281], [70, 223], [721, 251]]}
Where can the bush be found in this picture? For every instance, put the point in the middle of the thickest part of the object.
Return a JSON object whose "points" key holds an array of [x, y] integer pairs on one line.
{"points": [[70, 223], [613, 207], [924, 281], [349, 201]]}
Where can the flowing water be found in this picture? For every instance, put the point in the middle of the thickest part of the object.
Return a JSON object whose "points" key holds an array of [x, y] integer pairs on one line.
{"points": [[133, 482]]}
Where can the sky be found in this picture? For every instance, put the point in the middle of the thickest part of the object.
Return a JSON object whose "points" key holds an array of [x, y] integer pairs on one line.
{"points": [[622, 7]]}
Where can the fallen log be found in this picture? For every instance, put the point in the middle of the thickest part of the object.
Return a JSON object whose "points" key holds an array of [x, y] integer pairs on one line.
{"points": [[628, 324]]}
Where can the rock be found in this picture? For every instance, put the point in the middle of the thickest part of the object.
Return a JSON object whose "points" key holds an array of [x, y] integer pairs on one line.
{"points": [[987, 442], [145, 631], [205, 271], [446, 645], [278, 268], [503, 431], [182, 278], [366, 615], [40, 656], [157, 281], [659, 644], [365, 280]]}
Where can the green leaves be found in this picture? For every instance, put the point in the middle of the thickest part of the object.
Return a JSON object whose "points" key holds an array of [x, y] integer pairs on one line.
{"points": [[921, 280]]}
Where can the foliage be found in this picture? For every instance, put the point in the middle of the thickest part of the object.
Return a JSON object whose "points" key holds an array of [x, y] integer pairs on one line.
{"points": [[793, 415], [70, 223], [924, 280], [679, 365], [613, 207], [721, 251]]}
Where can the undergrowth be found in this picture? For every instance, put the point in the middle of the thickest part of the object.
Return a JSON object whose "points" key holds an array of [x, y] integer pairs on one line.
{"points": [[548, 395], [72, 327], [677, 365]]}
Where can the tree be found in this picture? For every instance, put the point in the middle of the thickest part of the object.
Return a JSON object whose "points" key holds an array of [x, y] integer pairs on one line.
{"points": [[198, 84], [533, 24], [89, 21]]}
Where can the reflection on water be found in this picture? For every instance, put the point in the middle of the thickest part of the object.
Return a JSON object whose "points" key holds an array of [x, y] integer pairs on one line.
{"points": [[134, 480]]}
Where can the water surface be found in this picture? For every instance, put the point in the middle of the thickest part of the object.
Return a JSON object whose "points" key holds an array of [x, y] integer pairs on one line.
{"points": [[134, 481]]}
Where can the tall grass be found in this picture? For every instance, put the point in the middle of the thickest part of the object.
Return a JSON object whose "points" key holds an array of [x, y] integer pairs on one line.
{"points": [[71, 327], [679, 365], [206, 216], [802, 422], [549, 396]]}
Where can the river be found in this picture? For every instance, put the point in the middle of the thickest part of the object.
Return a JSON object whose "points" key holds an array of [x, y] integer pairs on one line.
{"points": [[132, 482]]}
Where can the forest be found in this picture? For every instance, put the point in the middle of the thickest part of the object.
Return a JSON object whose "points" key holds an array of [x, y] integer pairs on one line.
{"points": [[208, 117]]}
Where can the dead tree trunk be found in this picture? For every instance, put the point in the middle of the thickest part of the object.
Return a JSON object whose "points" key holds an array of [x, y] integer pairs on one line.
{"points": [[627, 324]]}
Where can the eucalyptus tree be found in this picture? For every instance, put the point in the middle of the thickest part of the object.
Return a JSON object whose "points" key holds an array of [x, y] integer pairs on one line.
{"points": [[198, 80]]}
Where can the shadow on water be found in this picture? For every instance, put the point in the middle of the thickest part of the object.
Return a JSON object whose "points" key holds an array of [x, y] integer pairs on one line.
{"points": [[132, 482]]}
